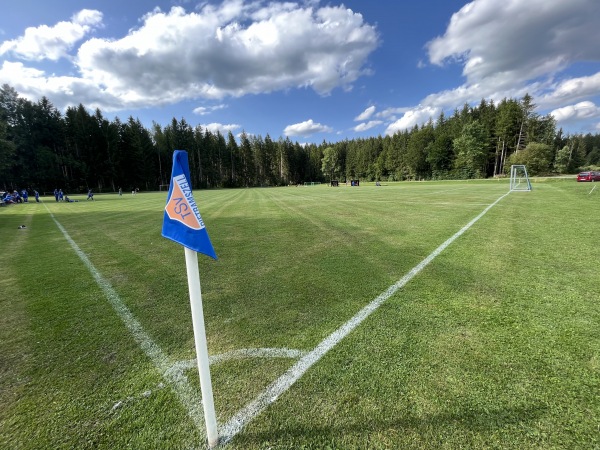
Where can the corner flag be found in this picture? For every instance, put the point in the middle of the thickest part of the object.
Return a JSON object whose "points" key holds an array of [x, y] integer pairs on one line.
{"points": [[182, 222]]}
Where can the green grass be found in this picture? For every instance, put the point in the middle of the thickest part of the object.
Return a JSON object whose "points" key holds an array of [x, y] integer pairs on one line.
{"points": [[495, 344]]}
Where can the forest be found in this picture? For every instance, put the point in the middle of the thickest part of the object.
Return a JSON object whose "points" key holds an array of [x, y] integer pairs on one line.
{"points": [[43, 148]]}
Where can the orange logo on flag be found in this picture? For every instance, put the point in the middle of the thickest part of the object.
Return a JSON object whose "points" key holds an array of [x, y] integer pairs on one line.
{"points": [[178, 208]]}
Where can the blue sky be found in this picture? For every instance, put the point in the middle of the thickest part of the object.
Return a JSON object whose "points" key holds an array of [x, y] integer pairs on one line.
{"points": [[311, 70]]}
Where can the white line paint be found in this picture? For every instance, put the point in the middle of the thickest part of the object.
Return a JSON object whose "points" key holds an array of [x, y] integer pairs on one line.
{"points": [[257, 353], [284, 382], [243, 353], [179, 382]]}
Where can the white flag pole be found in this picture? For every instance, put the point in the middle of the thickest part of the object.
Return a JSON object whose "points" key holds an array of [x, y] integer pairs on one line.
{"points": [[193, 275]]}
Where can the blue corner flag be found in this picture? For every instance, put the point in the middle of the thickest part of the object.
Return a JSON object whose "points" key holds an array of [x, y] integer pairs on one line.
{"points": [[182, 222]]}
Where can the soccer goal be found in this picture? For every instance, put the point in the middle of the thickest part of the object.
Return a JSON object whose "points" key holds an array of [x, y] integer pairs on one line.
{"points": [[519, 180], [163, 187]]}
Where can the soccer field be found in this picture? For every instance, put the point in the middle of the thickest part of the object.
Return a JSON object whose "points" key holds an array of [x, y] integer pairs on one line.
{"points": [[397, 316]]}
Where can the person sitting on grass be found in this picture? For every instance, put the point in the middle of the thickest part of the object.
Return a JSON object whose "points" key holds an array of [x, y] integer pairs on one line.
{"points": [[8, 199]]}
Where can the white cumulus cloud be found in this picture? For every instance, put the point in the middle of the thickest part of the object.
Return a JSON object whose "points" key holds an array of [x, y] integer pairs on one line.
{"points": [[53, 42], [519, 40], [204, 110], [306, 128], [366, 114], [221, 128], [508, 48], [581, 110], [232, 49], [417, 116], [367, 125], [571, 89]]}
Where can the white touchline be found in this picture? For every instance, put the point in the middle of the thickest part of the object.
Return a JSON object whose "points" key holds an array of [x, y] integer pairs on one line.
{"points": [[284, 382], [182, 388]]}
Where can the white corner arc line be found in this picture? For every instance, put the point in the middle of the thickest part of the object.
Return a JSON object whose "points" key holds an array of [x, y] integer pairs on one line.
{"points": [[180, 384], [285, 381], [256, 353], [243, 353]]}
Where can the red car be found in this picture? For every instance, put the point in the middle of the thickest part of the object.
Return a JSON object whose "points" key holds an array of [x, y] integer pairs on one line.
{"points": [[588, 176]]}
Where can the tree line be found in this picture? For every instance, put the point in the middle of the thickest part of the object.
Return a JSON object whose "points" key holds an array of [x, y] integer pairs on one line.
{"points": [[42, 148]]}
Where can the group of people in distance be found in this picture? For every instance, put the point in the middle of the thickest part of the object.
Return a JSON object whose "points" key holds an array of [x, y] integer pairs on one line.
{"points": [[59, 196], [9, 198]]}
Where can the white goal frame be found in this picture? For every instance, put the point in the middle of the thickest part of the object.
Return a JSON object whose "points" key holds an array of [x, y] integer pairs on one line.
{"points": [[519, 180]]}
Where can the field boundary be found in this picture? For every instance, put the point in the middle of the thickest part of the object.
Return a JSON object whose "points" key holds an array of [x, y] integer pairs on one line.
{"points": [[179, 382], [173, 371], [285, 381]]}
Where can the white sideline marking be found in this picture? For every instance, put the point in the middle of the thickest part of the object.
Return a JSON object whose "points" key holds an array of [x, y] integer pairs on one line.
{"points": [[284, 382], [182, 388]]}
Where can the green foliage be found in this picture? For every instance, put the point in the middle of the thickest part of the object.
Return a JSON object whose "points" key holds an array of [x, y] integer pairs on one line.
{"points": [[471, 150], [7, 151], [562, 163], [416, 151], [537, 157], [440, 152], [593, 157], [330, 165], [40, 148]]}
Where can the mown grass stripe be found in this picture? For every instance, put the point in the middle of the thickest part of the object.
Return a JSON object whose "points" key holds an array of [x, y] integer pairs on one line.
{"points": [[284, 382]]}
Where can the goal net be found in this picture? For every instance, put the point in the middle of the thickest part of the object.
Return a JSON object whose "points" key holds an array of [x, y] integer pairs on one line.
{"points": [[519, 180]]}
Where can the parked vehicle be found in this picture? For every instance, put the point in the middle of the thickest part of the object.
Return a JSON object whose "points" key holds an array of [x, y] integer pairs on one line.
{"points": [[588, 176]]}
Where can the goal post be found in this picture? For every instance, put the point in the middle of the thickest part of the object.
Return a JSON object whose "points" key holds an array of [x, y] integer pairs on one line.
{"points": [[519, 180]]}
